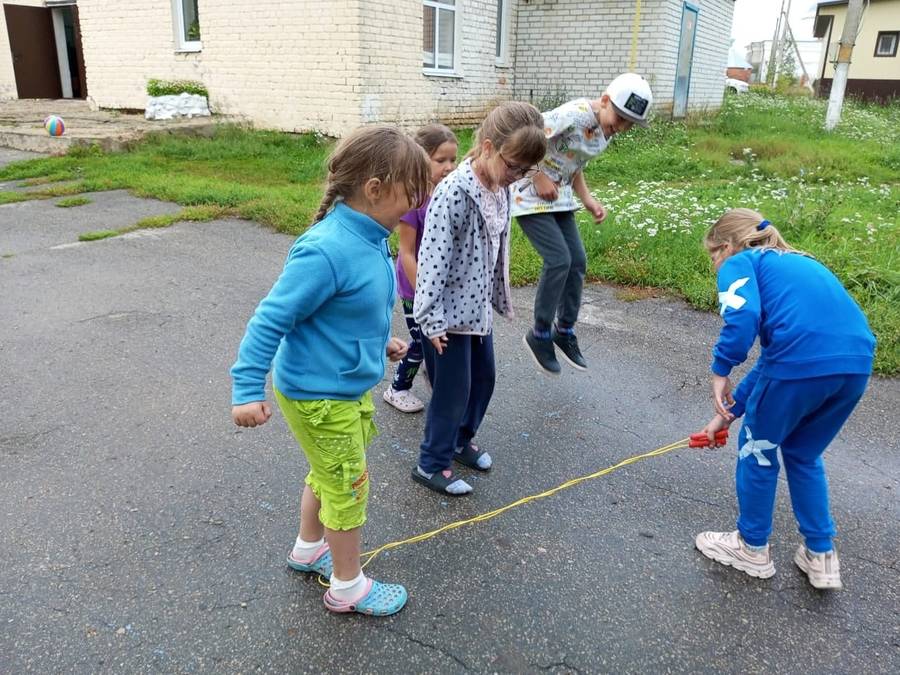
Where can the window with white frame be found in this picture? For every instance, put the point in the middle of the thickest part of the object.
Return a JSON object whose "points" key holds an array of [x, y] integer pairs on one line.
{"points": [[439, 27], [502, 32], [886, 43], [187, 25]]}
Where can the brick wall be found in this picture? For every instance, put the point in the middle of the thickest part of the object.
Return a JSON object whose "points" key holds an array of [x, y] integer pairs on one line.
{"points": [[742, 74], [328, 66], [394, 87], [573, 48], [296, 64], [285, 64]]}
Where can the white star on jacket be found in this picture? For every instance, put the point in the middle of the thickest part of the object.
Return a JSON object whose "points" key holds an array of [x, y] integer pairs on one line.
{"points": [[730, 298], [755, 448]]}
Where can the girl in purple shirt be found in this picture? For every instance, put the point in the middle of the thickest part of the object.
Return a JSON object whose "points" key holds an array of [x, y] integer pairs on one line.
{"points": [[441, 145]]}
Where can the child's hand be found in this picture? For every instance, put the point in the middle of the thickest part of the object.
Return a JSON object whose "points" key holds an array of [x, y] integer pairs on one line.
{"points": [[596, 209], [722, 398], [545, 188], [716, 424], [251, 414], [439, 342], [396, 349]]}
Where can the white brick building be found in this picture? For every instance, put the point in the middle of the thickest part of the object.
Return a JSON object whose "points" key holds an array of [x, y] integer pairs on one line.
{"points": [[331, 65]]}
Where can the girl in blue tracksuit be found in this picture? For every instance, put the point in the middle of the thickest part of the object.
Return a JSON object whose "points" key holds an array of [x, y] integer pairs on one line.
{"points": [[815, 361]]}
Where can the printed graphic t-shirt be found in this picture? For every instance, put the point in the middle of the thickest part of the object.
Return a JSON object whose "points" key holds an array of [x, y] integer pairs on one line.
{"points": [[573, 138]]}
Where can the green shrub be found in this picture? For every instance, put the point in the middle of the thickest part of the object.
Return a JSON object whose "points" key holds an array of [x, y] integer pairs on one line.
{"points": [[175, 87]]}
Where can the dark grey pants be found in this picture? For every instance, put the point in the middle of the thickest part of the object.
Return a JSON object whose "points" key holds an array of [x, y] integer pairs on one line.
{"points": [[556, 238]]}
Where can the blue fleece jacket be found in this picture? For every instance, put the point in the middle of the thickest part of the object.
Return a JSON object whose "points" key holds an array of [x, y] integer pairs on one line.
{"points": [[807, 323], [328, 316]]}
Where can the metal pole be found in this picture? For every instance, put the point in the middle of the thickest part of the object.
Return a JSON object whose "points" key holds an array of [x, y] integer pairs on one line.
{"points": [[772, 66], [845, 50], [800, 58], [784, 31]]}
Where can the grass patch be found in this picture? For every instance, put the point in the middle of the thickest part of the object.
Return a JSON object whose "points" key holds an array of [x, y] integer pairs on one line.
{"points": [[13, 197], [191, 213], [69, 202], [97, 235], [835, 195]]}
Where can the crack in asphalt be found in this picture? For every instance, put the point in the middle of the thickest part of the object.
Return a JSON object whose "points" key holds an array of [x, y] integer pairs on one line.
{"points": [[677, 494], [419, 642], [557, 664]]}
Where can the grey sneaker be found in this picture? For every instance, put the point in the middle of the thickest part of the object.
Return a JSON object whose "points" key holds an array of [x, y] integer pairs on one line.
{"points": [[729, 549], [568, 347], [823, 569], [543, 353]]}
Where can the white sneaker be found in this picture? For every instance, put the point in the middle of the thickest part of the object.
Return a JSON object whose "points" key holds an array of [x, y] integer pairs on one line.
{"points": [[729, 548], [404, 401], [823, 569]]}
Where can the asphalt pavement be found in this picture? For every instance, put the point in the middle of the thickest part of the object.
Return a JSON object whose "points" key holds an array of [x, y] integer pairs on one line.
{"points": [[143, 532]]}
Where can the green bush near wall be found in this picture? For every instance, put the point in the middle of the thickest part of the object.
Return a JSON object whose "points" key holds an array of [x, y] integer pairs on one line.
{"points": [[175, 87]]}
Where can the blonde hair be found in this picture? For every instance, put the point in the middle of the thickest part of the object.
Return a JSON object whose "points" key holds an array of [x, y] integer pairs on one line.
{"points": [[381, 152], [433, 136], [515, 129], [741, 229]]}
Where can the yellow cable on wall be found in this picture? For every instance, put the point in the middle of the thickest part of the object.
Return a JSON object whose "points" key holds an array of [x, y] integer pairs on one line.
{"points": [[635, 28]]}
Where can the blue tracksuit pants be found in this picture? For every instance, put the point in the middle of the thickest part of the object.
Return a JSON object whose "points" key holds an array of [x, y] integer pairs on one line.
{"points": [[462, 381], [799, 417]]}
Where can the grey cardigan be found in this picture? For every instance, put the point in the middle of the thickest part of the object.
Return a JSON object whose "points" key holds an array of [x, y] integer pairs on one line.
{"points": [[455, 285]]}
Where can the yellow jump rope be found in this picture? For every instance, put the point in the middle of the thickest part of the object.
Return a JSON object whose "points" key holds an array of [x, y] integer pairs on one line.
{"points": [[694, 441]]}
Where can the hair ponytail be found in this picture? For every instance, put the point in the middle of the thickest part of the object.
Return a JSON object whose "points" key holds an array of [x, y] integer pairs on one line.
{"points": [[746, 228], [331, 194], [516, 129], [381, 152]]}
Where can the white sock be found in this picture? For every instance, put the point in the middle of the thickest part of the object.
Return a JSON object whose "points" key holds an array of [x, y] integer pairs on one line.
{"points": [[348, 591], [457, 487], [484, 459], [305, 550], [755, 549]]}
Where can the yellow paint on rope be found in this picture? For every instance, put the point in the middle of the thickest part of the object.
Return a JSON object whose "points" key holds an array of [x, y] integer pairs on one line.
{"points": [[635, 29], [369, 556]]}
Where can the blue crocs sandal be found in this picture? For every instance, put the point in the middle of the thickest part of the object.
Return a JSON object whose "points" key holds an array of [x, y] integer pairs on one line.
{"points": [[321, 564], [378, 599]]}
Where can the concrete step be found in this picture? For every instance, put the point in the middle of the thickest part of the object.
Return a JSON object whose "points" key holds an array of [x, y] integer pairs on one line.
{"points": [[22, 126]]}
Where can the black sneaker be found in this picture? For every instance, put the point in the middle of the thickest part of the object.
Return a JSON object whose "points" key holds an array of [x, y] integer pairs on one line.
{"points": [[568, 345], [543, 353]]}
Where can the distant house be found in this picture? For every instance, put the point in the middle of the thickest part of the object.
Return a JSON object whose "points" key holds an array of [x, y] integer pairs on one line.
{"points": [[738, 67], [759, 54], [875, 68], [329, 66]]}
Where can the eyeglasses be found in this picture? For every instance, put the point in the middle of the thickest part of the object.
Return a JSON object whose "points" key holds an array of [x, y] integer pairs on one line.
{"points": [[521, 172]]}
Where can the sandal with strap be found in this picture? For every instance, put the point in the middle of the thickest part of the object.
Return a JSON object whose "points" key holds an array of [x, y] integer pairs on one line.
{"points": [[473, 457], [441, 480], [321, 564], [378, 599]]}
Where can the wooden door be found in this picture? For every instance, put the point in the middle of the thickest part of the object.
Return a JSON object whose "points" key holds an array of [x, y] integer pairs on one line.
{"points": [[33, 47]]}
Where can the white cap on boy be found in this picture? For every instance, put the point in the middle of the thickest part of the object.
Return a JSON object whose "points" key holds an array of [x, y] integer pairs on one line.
{"points": [[630, 95]]}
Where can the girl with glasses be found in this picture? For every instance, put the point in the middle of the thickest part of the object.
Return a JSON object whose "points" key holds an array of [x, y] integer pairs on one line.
{"points": [[462, 276]]}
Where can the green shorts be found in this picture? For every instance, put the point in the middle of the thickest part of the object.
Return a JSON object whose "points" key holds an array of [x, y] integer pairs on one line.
{"points": [[334, 435]]}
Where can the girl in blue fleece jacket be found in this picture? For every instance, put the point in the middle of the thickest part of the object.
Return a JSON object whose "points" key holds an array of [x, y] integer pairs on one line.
{"points": [[815, 360], [326, 323]]}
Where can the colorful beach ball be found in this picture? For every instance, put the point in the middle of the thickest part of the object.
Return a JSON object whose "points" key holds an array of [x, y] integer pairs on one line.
{"points": [[54, 125]]}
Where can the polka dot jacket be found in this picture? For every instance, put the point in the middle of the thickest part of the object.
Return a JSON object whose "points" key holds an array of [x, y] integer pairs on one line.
{"points": [[457, 281]]}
